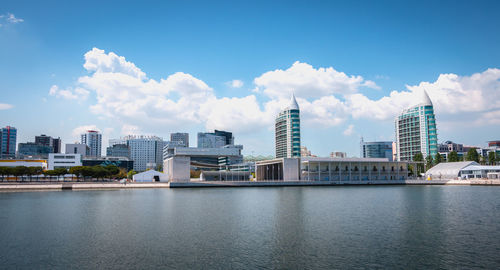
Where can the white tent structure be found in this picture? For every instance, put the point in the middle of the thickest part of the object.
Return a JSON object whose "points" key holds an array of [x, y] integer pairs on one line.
{"points": [[150, 176], [448, 170]]}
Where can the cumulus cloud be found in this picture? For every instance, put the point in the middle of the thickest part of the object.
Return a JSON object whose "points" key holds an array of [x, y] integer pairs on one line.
{"points": [[82, 129], [5, 106], [349, 131], [235, 83], [308, 82], [76, 94], [10, 18], [327, 97]]}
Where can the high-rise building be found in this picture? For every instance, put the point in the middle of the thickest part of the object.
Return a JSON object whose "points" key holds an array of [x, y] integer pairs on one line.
{"points": [[228, 136], [93, 139], [376, 150], [8, 138], [145, 151], [54, 143], [183, 138], [287, 131], [416, 130]]}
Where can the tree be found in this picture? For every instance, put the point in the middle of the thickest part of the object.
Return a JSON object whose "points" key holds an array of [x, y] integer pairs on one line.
{"points": [[130, 174], [419, 158], [20, 171], [99, 171], [492, 158], [34, 171], [60, 171], [429, 161], [122, 174], [453, 156], [77, 170], [112, 170], [439, 159], [472, 155]]}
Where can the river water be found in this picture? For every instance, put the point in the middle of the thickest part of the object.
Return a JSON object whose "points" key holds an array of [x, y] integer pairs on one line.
{"points": [[385, 227]]}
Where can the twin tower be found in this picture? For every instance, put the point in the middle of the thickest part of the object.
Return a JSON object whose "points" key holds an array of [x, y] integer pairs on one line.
{"points": [[287, 131]]}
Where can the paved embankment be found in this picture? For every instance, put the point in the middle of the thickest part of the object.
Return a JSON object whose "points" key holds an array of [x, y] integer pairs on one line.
{"points": [[77, 186], [203, 184]]}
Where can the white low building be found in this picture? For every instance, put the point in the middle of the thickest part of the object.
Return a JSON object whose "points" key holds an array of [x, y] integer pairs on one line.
{"points": [[150, 176], [67, 161], [24, 162], [462, 170]]}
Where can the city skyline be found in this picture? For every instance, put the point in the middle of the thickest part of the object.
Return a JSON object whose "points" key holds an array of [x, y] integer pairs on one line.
{"points": [[346, 86]]}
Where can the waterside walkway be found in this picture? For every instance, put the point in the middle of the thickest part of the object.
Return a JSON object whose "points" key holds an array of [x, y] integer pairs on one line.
{"points": [[208, 184]]}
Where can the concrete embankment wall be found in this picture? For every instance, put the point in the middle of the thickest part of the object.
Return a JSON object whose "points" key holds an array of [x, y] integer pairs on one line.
{"points": [[208, 184]]}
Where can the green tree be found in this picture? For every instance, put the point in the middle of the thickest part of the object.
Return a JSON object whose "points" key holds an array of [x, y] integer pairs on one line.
{"points": [[112, 170], [60, 171], [77, 170], [429, 161], [34, 171], [492, 158], [130, 174], [122, 174], [99, 171], [438, 159], [420, 166], [453, 156], [20, 171], [472, 155]]}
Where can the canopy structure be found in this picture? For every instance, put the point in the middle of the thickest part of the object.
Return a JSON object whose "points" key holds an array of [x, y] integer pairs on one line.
{"points": [[150, 176], [448, 170]]}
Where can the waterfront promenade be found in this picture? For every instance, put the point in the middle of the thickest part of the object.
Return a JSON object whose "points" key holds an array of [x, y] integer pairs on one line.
{"points": [[211, 184]]}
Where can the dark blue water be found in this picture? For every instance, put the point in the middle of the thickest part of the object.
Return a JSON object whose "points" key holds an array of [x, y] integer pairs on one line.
{"points": [[419, 227]]}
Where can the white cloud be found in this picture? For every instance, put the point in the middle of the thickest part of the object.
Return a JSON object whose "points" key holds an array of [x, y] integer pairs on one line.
{"points": [[77, 94], [235, 83], [349, 131], [5, 106], [12, 19], [308, 82], [82, 129], [130, 130], [326, 97], [450, 94]]}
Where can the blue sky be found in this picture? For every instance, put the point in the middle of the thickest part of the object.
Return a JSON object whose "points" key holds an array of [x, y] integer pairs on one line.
{"points": [[449, 48]]}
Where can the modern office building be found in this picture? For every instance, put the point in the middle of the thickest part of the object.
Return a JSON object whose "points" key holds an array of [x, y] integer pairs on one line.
{"points": [[77, 148], [8, 137], [210, 140], [228, 136], [93, 139], [120, 162], [145, 151], [495, 144], [376, 150], [183, 138], [287, 131], [118, 150], [450, 146], [34, 150], [416, 130], [64, 160]]}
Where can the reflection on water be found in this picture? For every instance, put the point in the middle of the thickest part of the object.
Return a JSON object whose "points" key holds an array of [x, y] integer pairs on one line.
{"points": [[253, 228]]}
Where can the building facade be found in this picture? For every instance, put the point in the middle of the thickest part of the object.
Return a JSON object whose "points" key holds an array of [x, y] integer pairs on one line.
{"points": [[287, 131], [77, 148], [376, 150], [210, 140], [416, 130], [8, 138], [182, 138], [34, 150], [120, 162], [64, 161], [145, 151], [118, 150], [93, 139]]}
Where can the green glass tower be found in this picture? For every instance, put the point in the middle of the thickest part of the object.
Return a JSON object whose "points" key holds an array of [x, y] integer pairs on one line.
{"points": [[287, 131], [416, 130]]}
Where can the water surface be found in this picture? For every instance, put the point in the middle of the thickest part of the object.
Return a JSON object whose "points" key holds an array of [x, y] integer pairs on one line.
{"points": [[424, 227]]}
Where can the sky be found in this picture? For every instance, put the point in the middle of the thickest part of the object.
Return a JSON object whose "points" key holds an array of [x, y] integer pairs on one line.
{"points": [[156, 67]]}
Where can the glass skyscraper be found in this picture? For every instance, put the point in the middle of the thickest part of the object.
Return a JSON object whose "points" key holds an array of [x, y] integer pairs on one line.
{"points": [[8, 137], [287, 131], [416, 130]]}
